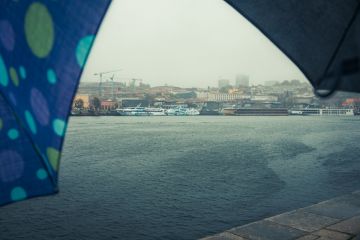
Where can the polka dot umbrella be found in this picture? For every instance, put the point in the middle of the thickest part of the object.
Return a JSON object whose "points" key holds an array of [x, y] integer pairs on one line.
{"points": [[43, 48]]}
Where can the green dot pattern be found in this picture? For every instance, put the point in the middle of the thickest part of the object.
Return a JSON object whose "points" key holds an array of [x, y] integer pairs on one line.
{"points": [[39, 30]]}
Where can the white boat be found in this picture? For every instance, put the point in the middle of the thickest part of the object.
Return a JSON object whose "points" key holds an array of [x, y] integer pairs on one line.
{"points": [[133, 111], [192, 112], [155, 111], [296, 112], [182, 111], [325, 111], [148, 111], [171, 111]]}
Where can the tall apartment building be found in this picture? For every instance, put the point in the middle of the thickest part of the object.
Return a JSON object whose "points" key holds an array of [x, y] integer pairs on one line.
{"points": [[242, 80]]}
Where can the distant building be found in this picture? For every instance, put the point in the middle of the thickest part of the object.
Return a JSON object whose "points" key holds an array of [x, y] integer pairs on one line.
{"points": [[183, 94], [223, 83], [91, 88], [351, 102], [220, 97], [109, 104], [162, 89], [242, 81], [264, 98], [303, 100], [133, 102]]}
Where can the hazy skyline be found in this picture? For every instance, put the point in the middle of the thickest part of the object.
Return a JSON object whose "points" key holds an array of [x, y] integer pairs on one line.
{"points": [[185, 43]]}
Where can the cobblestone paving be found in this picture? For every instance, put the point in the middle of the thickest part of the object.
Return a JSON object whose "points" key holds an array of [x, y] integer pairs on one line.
{"points": [[336, 219]]}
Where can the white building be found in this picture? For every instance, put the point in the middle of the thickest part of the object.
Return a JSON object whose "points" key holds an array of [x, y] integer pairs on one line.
{"points": [[264, 98], [220, 97]]}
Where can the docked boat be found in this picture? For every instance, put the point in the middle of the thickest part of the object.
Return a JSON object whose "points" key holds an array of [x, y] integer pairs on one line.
{"points": [[192, 112], [206, 111], [155, 111], [256, 111], [296, 112], [133, 111], [211, 108], [171, 112], [325, 111], [151, 111], [182, 111]]}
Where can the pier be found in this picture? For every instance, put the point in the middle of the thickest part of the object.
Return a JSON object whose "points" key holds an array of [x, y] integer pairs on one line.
{"points": [[337, 218]]}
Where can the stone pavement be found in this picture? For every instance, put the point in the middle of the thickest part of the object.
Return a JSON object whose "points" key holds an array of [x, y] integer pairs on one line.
{"points": [[337, 219]]}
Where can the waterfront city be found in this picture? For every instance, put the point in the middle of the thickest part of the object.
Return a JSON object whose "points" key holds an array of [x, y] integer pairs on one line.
{"points": [[134, 97]]}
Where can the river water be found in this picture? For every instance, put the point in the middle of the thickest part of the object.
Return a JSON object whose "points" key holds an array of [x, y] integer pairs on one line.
{"points": [[187, 177]]}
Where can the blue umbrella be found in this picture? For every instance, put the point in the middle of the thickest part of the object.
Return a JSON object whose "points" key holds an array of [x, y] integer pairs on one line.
{"points": [[43, 48]]}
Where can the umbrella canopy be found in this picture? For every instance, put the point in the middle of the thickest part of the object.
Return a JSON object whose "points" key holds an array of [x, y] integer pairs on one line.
{"points": [[43, 48], [321, 37]]}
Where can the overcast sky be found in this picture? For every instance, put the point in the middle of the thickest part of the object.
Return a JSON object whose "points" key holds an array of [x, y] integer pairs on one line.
{"points": [[187, 43]]}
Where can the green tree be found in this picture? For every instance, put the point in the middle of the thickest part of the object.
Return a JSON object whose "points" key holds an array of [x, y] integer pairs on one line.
{"points": [[96, 103], [79, 103]]}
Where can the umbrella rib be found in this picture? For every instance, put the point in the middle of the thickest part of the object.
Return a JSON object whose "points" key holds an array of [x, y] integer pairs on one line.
{"points": [[338, 46], [79, 76], [43, 161]]}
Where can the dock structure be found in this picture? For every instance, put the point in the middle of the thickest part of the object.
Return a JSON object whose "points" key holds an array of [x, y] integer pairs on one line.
{"points": [[337, 218]]}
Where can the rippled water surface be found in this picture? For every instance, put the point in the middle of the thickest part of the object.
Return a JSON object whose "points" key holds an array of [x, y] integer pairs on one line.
{"points": [[187, 177]]}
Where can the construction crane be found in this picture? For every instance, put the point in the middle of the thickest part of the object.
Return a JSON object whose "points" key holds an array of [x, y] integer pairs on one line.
{"points": [[100, 74], [112, 87]]}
